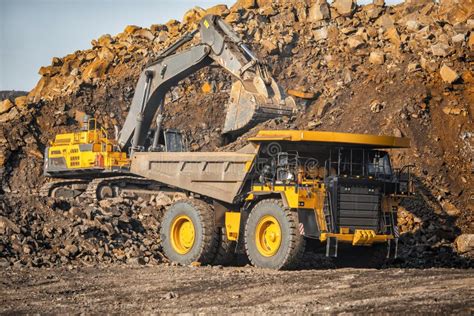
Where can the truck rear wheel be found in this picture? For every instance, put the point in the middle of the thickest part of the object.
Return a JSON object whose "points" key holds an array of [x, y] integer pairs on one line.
{"points": [[188, 232], [226, 250], [272, 238]]}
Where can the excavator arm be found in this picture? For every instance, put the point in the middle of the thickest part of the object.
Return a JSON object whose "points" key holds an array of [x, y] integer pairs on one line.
{"points": [[254, 97]]}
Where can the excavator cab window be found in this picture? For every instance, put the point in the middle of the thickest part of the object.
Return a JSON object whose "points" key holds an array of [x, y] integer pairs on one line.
{"points": [[92, 124], [170, 140], [174, 141]]}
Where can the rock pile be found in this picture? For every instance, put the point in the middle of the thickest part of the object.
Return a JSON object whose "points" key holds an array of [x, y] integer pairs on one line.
{"points": [[402, 70], [47, 232]]}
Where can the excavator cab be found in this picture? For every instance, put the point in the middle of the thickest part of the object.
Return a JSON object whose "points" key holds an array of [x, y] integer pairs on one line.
{"points": [[169, 140]]}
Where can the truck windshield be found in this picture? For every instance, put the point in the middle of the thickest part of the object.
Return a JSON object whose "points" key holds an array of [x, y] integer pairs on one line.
{"points": [[378, 164], [360, 162]]}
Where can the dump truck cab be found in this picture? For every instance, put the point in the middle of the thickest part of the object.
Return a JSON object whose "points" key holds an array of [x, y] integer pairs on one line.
{"points": [[342, 186]]}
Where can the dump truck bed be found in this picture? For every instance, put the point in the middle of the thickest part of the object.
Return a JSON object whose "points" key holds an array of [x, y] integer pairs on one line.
{"points": [[221, 175], [218, 175]]}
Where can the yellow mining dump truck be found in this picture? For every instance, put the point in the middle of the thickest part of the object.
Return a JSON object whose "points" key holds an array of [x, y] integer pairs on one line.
{"points": [[281, 189]]}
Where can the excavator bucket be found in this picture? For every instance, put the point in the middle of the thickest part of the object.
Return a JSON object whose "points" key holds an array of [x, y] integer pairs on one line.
{"points": [[253, 102]]}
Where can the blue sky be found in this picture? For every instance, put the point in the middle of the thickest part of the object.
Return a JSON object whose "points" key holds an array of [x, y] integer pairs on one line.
{"points": [[34, 31]]}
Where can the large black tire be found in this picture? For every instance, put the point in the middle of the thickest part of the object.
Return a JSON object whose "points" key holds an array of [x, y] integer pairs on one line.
{"points": [[206, 237], [225, 251], [292, 244]]}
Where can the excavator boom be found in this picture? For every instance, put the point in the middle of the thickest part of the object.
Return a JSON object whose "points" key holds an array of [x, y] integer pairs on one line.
{"points": [[254, 97]]}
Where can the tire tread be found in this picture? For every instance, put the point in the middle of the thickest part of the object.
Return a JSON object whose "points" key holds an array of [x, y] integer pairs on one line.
{"points": [[210, 238]]}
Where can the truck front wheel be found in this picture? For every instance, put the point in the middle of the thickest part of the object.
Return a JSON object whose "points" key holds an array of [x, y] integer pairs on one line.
{"points": [[188, 232], [272, 238]]}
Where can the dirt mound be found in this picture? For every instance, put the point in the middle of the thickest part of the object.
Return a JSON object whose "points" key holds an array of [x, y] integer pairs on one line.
{"points": [[404, 70]]}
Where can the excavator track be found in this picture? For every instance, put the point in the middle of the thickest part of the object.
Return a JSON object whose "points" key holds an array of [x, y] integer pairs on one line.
{"points": [[97, 189], [94, 187], [47, 190]]}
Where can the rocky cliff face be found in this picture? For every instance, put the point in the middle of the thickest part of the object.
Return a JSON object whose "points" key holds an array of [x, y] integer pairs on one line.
{"points": [[404, 70]]}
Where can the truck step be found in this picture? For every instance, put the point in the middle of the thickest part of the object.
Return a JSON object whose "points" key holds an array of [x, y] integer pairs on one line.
{"points": [[392, 249], [331, 247]]}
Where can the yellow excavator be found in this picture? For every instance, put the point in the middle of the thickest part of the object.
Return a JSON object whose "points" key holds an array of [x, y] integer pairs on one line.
{"points": [[265, 200]]}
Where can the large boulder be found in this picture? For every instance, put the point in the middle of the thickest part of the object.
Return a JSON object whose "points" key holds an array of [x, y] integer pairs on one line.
{"points": [[319, 11], [377, 58], [145, 34], [345, 7], [456, 11], [440, 50], [49, 71], [21, 102], [193, 16], [269, 47], [105, 40], [244, 4], [106, 54], [9, 116], [355, 42], [130, 29], [173, 27], [465, 243], [320, 34], [392, 35], [40, 90], [5, 106], [95, 69], [220, 9], [448, 75]]}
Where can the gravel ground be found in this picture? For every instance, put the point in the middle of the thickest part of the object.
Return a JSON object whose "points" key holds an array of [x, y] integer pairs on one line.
{"points": [[171, 289]]}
